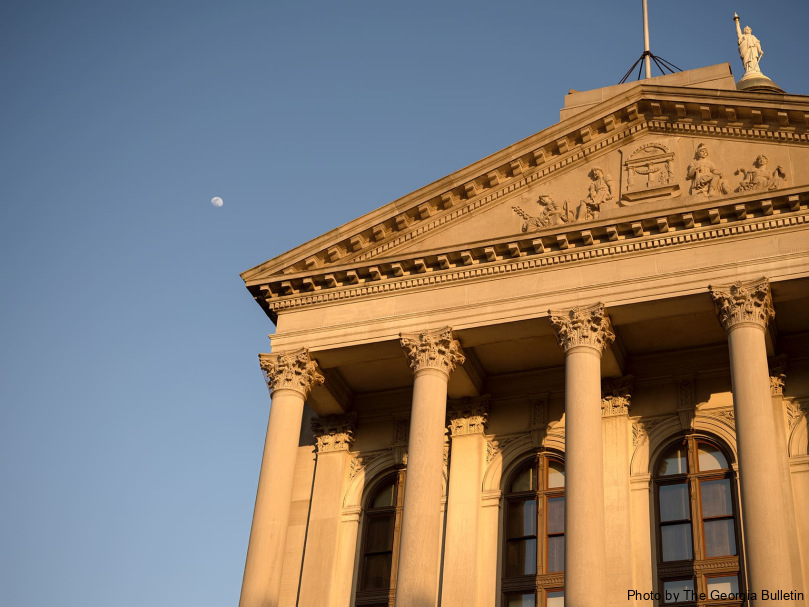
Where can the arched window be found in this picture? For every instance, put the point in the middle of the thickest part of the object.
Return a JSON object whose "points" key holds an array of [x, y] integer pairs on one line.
{"points": [[697, 534], [380, 542], [534, 535]]}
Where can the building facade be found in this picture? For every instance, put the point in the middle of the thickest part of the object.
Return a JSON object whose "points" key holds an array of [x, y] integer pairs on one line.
{"points": [[575, 372]]}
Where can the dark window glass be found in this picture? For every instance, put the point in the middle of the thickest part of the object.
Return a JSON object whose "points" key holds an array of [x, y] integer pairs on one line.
{"points": [[676, 542], [696, 519], [379, 541], [522, 518], [521, 600], [534, 531], [674, 503], [720, 538], [716, 498]]}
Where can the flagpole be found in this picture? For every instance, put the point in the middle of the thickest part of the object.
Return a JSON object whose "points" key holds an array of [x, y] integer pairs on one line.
{"points": [[646, 52]]}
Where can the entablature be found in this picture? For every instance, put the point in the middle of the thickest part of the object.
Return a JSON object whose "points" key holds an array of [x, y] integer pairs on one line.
{"points": [[624, 234]]}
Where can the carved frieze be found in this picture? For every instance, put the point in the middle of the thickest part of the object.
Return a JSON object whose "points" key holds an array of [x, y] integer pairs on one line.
{"points": [[582, 326], [599, 191], [760, 177], [469, 416], [616, 395], [291, 370], [743, 302], [432, 350], [705, 178], [650, 172], [551, 213], [334, 432]]}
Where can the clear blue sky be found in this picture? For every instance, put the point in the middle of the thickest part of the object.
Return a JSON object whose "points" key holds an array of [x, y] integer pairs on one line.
{"points": [[132, 407]]}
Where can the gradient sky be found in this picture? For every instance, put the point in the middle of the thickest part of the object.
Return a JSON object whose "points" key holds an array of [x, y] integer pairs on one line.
{"points": [[132, 407]]}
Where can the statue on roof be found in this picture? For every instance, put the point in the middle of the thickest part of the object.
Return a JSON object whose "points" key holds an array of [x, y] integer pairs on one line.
{"points": [[749, 47]]}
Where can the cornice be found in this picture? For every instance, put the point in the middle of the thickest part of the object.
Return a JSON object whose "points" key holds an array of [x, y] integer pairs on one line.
{"points": [[621, 236], [656, 109]]}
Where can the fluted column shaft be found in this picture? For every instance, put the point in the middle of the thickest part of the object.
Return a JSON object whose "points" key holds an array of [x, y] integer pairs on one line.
{"points": [[583, 333], [432, 356], [744, 310], [290, 376]]}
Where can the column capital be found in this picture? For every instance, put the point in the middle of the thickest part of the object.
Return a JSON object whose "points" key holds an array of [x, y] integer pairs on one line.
{"points": [[616, 395], [778, 374], [334, 432], [587, 326], [468, 416], [291, 370], [743, 302], [434, 349]]}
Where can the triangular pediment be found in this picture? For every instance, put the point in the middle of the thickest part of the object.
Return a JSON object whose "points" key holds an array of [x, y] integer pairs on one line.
{"points": [[642, 150]]}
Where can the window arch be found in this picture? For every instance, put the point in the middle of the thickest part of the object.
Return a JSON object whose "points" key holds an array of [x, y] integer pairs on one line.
{"points": [[696, 517], [534, 533], [379, 546]]}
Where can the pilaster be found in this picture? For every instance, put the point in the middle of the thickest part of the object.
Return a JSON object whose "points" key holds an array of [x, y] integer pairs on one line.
{"points": [[322, 567], [617, 431], [467, 423]]}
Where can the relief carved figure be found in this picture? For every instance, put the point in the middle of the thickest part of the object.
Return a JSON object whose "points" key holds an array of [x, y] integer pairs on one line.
{"points": [[749, 47], [759, 178], [598, 192], [704, 176], [551, 214]]}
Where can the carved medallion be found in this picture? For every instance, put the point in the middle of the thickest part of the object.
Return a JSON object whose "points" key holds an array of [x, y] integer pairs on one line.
{"points": [[650, 172]]}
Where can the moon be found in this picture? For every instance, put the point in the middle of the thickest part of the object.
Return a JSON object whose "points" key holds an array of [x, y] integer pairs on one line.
{"points": [[217, 201]]}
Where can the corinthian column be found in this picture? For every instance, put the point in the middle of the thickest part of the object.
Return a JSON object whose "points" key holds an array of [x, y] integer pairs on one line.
{"points": [[744, 309], [467, 421], [432, 355], [334, 436], [291, 376], [583, 334]]}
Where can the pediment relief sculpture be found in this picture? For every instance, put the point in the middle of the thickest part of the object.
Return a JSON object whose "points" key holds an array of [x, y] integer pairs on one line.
{"points": [[600, 190], [759, 177], [650, 173], [551, 214], [705, 178]]}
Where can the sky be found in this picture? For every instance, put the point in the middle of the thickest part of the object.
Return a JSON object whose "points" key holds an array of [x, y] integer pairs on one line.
{"points": [[132, 406]]}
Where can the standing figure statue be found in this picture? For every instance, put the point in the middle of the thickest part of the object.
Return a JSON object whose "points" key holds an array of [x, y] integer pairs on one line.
{"points": [[598, 192], [749, 47], [705, 178]]}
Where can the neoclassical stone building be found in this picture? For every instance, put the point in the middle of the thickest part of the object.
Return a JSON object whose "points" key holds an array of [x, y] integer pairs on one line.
{"points": [[575, 372]]}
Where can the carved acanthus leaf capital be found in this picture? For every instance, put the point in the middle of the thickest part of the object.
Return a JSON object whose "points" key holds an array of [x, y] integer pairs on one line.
{"points": [[469, 416], [583, 326], [743, 302], [616, 395], [334, 432], [432, 350], [293, 370]]}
